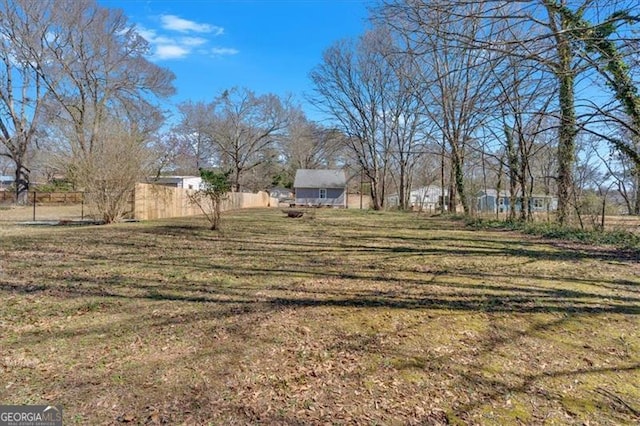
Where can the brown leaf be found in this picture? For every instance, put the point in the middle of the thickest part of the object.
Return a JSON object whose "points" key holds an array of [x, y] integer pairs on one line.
{"points": [[126, 418]]}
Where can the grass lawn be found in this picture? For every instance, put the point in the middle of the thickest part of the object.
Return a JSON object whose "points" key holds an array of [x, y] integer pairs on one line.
{"points": [[350, 317]]}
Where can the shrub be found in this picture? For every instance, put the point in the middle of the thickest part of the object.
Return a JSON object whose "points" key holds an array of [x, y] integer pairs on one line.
{"points": [[215, 186]]}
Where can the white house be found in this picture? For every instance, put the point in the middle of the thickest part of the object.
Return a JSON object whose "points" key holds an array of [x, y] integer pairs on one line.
{"points": [[281, 193], [426, 198], [185, 182]]}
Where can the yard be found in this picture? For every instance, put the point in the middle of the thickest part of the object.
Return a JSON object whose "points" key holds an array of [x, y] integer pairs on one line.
{"points": [[348, 318]]}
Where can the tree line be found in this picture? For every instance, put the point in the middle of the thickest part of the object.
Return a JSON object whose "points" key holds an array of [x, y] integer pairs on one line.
{"points": [[529, 97], [528, 91]]}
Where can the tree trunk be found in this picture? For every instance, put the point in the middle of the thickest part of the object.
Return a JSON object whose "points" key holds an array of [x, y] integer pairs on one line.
{"points": [[235, 187], [499, 185], [442, 197], [636, 191], [215, 223], [22, 182], [375, 193], [453, 198], [402, 194], [568, 127], [459, 178], [524, 198], [513, 174]]}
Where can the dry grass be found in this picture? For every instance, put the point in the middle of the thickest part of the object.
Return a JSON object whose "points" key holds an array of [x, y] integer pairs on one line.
{"points": [[626, 223], [348, 318]]}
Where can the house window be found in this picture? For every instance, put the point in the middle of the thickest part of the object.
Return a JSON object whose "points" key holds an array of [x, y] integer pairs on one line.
{"points": [[323, 193], [537, 203]]}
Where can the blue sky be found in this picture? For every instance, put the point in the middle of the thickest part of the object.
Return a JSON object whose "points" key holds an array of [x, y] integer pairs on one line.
{"points": [[263, 45]]}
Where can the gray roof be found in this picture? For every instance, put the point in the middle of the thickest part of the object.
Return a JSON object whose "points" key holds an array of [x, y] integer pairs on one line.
{"points": [[307, 178]]}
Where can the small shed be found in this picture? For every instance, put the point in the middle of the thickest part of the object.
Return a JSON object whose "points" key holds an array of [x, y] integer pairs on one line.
{"points": [[324, 187]]}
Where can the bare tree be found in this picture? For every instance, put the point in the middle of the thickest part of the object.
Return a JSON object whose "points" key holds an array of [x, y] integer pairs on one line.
{"points": [[456, 76], [100, 58], [524, 97], [364, 86], [118, 160], [170, 154], [571, 39], [245, 129], [409, 128], [193, 134], [349, 89], [308, 145], [95, 73], [24, 28]]}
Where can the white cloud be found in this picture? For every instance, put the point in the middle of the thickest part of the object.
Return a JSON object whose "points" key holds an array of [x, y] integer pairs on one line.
{"points": [[170, 51], [193, 41], [219, 51], [171, 40], [146, 33], [176, 23], [165, 40]]}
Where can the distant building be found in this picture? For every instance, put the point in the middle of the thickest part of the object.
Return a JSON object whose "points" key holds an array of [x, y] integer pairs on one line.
{"points": [[281, 193], [490, 201], [185, 182], [6, 181], [325, 187], [427, 198]]}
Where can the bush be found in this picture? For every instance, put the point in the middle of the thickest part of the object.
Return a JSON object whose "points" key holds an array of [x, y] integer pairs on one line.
{"points": [[209, 197]]}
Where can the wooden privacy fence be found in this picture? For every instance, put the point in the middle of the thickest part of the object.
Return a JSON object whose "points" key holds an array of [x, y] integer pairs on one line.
{"points": [[44, 197], [161, 202]]}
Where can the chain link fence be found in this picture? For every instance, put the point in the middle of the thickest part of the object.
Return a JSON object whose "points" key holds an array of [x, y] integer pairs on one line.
{"points": [[43, 206]]}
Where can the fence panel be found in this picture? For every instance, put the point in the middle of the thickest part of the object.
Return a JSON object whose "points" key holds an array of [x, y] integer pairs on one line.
{"points": [[44, 197], [161, 202], [7, 197], [56, 197]]}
